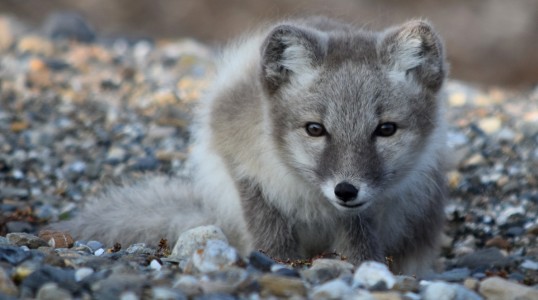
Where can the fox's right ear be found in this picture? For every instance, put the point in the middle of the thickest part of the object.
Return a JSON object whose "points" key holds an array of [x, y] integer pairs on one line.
{"points": [[288, 53]]}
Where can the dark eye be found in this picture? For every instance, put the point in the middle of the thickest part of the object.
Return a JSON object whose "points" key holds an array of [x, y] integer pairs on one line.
{"points": [[385, 129], [315, 129]]}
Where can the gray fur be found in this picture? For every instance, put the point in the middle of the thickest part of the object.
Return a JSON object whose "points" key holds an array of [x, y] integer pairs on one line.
{"points": [[259, 175]]}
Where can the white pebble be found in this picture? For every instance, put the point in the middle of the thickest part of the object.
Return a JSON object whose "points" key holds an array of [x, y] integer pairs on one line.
{"points": [[370, 273], [82, 273], [99, 252], [155, 265]]}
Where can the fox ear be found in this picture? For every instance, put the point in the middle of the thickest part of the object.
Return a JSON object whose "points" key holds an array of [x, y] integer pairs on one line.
{"points": [[288, 53], [415, 49]]}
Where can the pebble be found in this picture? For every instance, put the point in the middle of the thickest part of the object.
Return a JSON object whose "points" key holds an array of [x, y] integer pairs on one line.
{"points": [[448, 291], [215, 256], [7, 286], [529, 264], [490, 125], [52, 291], [191, 240], [371, 273], [281, 286], [334, 289], [25, 239], [496, 288]]}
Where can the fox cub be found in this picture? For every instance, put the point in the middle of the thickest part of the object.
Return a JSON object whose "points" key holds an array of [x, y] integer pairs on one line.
{"points": [[316, 136]]}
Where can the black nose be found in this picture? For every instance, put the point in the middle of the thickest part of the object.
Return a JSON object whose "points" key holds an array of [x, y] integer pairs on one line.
{"points": [[345, 191]]}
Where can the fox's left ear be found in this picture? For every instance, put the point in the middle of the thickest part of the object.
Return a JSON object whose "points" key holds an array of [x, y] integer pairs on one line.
{"points": [[415, 49]]}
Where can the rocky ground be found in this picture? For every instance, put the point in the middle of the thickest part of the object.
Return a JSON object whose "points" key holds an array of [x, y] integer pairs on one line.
{"points": [[78, 112]]}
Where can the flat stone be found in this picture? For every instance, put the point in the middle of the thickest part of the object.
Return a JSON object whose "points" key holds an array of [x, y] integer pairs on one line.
{"points": [[496, 288], [448, 291], [25, 239], [281, 286]]}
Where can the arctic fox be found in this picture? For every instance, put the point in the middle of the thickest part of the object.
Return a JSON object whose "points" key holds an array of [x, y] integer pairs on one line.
{"points": [[316, 136]]}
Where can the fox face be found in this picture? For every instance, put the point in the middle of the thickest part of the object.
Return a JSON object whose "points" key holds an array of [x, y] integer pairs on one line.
{"points": [[352, 113]]}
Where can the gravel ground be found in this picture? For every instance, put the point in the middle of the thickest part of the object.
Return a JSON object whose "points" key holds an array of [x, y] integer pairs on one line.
{"points": [[78, 112]]}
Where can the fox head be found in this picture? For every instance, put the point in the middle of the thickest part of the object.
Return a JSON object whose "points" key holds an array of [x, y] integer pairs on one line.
{"points": [[353, 112]]}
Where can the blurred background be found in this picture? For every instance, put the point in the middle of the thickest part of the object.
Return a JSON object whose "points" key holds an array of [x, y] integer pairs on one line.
{"points": [[490, 42]]}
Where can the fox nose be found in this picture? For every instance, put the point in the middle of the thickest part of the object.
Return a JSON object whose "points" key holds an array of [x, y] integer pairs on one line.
{"points": [[345, 191]]}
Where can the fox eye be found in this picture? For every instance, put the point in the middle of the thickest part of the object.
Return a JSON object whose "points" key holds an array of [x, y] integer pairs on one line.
{"points": [[315, 129], [385, 129]]}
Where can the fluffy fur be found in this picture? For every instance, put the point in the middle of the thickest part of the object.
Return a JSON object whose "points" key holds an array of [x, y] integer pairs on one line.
{"points": [[259, 174]]}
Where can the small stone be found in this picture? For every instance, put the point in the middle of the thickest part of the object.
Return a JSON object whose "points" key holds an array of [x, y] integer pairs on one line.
{"points": [[13, 254], [457, 99], [147, 163], [260, 261], [281, 286], [490, 125], [507, 213], [387, 295], [77, 167], [94, 245], [63, 277], [82, 273], [471, 283], [484, 258], [530, 265], [7, 286], [19, 226], [498, 242], [57, 239], [99, 252], [189, 284], [454, 275], [448, 291], [140, 248], [371, 273], [406, 284], [25, 239], [475, 160], [162, 292], [285, 271], [155, 265], [225, 281], [51, 291], [216, 255], [194, 239], [10, 192], [496, 288], [334, 289], [35, 45], [324, 270], [116, 155]]}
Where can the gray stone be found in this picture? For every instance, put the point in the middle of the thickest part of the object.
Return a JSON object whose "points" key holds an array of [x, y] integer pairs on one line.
{"points": [[448, 291], [25, 239], [334, 289], [194, 239], [484, 258], [51, 291]]}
